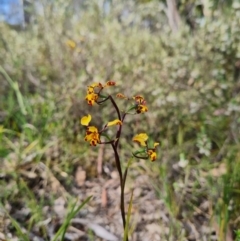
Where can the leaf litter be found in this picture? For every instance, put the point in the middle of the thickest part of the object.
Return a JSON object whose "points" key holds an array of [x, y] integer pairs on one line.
{"points": [[151, 217]]}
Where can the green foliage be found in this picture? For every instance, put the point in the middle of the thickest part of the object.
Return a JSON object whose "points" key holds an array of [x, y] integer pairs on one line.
{"points": [[238, 235], [74, 209]]}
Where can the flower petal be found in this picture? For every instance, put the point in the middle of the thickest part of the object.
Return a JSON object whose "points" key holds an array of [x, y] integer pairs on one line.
{"points": [[93, 85], [90, 90], [141, 138], [155, 144], [139, 99], [114, 122], [85, 120], [92, 129]]}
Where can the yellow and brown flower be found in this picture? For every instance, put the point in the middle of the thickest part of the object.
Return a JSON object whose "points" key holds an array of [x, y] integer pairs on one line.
{"points": [[94, 90], [140, 104]]}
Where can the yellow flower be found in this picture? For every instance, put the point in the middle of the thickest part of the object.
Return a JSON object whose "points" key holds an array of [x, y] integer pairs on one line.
{"points": [[141, 109], [140, 104], [90, 90], [91, 87], [141, 138], [91, 98], [85, 120], [114, 122], [93, 91], [152, 154], [92, 136], [70, 43]]}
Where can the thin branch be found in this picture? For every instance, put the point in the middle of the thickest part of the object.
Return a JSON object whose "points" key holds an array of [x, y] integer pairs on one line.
{"points": [[119, 130], [117, 159], [115, 106]]}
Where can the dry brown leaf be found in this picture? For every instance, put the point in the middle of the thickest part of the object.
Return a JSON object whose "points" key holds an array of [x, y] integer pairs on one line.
{"points": [[104, 198], [219, 171], [216, 172], [2, 236], [97, 229], [219, 112], [59, 207], [28, 174], [80, 176], [55, 185]]}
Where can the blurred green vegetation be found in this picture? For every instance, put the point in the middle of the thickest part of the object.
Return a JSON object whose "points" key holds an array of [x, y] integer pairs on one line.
{"points": [[190, 79]]}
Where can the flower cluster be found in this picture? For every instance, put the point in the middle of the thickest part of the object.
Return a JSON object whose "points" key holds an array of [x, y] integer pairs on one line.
{"points": [[94, 91], [93, 134]]}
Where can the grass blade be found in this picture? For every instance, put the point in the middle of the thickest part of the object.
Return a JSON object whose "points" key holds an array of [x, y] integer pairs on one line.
{"points": [[15, 87], [125, 238], [20, 233], [62, 230]]}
